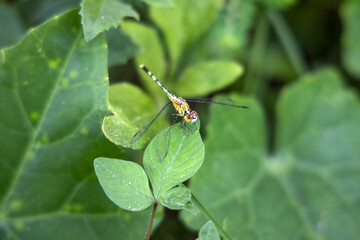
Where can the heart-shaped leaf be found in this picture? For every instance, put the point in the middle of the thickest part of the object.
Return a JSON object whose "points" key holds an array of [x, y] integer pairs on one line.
{"points": [[125, 183], [306, 187], [172, 157]]}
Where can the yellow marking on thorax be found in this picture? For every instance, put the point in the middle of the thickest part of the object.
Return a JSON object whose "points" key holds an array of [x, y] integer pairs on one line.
{"points": [[181, 106]]}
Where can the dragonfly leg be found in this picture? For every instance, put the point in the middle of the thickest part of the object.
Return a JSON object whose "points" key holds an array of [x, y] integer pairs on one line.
{"points": [[182, 124], [187, 129], [190, 129]]}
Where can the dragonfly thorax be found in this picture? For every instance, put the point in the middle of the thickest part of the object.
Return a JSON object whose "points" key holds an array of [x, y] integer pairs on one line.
{"points": [[183, 109]]}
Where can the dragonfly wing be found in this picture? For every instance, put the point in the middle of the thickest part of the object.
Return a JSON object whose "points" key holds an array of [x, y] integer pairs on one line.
{"points": [[210, 101], [143, 130]]}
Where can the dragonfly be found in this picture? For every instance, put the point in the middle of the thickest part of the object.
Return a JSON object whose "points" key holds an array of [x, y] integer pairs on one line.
{"points": [[181, 106]]}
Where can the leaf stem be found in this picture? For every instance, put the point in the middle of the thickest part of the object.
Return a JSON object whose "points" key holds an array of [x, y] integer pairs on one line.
{"points": [[288, 41], [208, 215], [148, 232]]}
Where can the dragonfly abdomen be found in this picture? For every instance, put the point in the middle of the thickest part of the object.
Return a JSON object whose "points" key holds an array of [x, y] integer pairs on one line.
{"points": [[170, 95]]}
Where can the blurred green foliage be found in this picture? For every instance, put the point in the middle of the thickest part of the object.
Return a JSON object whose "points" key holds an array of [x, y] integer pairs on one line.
{"points": [[287, 168]]}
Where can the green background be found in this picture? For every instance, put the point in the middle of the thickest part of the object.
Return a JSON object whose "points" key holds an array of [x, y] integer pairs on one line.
{"points": [[71, 91]]}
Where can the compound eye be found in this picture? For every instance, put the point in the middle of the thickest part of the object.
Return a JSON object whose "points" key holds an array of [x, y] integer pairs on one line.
{"points": [[194, 116]]}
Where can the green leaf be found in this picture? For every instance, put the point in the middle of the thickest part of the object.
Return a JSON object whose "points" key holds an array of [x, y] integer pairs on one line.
{"points": [[132, 109], [177, 23], [230, 33], [208, 232], [151, 55], [124, 182], [306, 188], [100, 15], [206, 77], [11, 27], [183, 157], [161, 3], [121, 48], [279, 3], [350, 12], [178, 198], [53, 98]]}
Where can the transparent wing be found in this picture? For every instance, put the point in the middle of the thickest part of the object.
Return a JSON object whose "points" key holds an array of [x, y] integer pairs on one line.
{"points": [[210, 101], [143, 130]]}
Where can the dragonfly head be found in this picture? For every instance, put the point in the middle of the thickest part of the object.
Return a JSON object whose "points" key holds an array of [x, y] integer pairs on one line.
{"points": [[191, 117]]}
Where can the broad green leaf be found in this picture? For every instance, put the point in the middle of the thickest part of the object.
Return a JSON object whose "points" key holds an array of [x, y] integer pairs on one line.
{"points": [[306, 188], [151, 55], [208, 232], [121, 48], [125, 183], [183, 157], [350, 12], [100, 15], [206, 77], [53, 98], [178, 198], [162, 3], [132, 109], [11, 27], [178, 23]]}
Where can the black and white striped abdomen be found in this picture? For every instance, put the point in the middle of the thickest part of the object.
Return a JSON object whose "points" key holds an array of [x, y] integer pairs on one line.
{"points": [[171, 96]]}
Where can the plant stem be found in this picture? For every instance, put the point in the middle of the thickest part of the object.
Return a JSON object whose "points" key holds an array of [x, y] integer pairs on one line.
{"points": [[148, 232], [288, 41], [208, 215]]}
